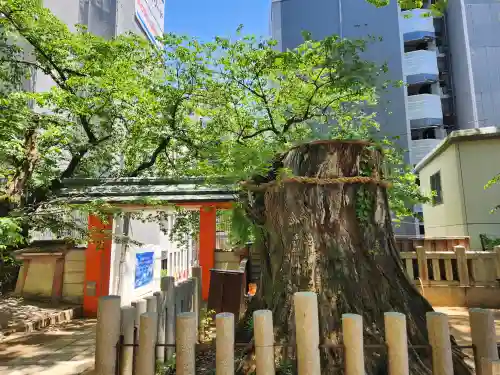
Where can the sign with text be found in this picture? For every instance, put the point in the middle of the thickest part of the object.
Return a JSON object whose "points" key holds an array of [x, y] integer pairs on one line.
{"points": [[151, 17], [144, 267]]}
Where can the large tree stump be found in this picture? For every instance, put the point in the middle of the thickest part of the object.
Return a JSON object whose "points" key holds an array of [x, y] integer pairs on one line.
{"points": [[328, 230]]}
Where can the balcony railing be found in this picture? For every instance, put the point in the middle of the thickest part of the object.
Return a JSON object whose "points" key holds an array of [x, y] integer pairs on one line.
{"points": [[417, 24], [421, 67], [425, 110]]}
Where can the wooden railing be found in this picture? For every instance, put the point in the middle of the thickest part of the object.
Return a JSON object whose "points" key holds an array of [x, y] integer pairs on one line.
{"points": [[458, 267]]}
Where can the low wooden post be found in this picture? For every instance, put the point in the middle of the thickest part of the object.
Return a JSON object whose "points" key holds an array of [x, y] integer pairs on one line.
{"points": [[107, 335], [352, 333], [490, 367], [396, 339], [463, 269], [168, 287], [127, 330], [497, 261], [307, 333], [224, 344], [423, 272], [439, 339], [264, 342], [482, 325], [146, 364], [185, 344]]}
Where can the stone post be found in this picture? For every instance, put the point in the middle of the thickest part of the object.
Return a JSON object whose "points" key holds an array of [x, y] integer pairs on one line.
{"points": [[397, 343], [439, 339], [140, 308], [127, 330], [482, 325], [490, 367], [497, 261], [224, 344], [160, 336], [196, 274], [463, 269], [107, 335], [423, 271], [307, 333], [185, 344], [168, 287], [146, 364], [264, 342], [352, 332], [151, 303]]}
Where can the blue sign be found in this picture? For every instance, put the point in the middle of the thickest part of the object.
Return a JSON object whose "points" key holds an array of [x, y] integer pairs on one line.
{"points": [[144, 263]]}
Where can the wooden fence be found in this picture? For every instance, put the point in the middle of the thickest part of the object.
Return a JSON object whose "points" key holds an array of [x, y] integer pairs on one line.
{"points": [[118, 351], [458, 267]]}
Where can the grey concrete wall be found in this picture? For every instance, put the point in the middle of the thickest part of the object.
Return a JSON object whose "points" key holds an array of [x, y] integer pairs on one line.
{"points": [[483, 25], [460, 65]]}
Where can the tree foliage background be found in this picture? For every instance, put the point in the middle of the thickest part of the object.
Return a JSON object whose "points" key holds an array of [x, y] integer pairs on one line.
{"points": [[124, 108]]}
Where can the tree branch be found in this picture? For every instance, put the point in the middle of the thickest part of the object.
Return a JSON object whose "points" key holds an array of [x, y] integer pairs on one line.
{"points": [[152, 160]]}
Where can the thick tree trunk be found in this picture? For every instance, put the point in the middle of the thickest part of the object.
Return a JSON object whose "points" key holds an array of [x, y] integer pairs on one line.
{"points": [[328, 230]]}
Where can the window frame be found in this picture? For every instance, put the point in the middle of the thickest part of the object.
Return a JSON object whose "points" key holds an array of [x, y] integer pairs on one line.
{"points": [[437, 186]]}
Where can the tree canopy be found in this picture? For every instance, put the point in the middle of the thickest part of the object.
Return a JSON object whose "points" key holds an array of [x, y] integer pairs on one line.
{"points": [[125, 108]]}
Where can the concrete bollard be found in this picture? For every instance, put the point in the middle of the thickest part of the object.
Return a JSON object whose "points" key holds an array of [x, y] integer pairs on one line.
{"points": [[396, 339], [352, 333], [107, 335], [439, 339], [196, 272], [185, 344], [264, 342], [490, 367], [147, 341], [168, 287], [307, 333], [224, 344], [140, 308], [128, 331], [482, 325], [160, 336], [151, 303]]}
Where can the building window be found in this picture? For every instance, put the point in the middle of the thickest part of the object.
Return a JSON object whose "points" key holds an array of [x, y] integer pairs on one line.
{"points": [[436, 188]]}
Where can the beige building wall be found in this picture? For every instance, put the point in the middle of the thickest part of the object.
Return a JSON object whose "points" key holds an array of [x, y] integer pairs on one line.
{"points": [[480, 161], [448, 218], [40, 277], [465, 169], [74, 276]]}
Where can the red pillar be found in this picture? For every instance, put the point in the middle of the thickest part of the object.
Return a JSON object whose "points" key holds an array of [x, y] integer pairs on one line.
{"points": [[207, 246], [97, 264]]}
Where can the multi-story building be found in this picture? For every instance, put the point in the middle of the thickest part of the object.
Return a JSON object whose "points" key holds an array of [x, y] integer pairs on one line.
{"points": [[107, 18], [449, 63]]}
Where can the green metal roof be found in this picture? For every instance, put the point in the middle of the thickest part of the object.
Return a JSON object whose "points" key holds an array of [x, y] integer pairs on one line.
{"points": [[129, 190]]}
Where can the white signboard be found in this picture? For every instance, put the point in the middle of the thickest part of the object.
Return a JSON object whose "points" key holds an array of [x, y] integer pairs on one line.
{"points": [[151, 16]]}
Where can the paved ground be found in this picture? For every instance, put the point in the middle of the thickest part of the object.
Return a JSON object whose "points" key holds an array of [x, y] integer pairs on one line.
{"points": [[67, 349]]}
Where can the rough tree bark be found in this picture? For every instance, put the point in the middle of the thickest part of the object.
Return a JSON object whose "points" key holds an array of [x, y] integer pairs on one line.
{"points": [[328, 230]]}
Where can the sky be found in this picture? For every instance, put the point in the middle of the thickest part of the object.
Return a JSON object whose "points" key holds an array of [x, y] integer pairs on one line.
{"points": [[208, 18]]}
